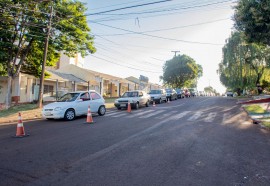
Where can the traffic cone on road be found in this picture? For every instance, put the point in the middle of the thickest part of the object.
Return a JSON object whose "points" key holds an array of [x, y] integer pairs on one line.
{"points": [[129, 107], [154, 104], [89, 118], [20, 132]]}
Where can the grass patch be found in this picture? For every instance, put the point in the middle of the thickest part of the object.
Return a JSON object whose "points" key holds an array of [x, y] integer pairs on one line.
{"points": [[255, 109], [266, 124], [16, 109]]}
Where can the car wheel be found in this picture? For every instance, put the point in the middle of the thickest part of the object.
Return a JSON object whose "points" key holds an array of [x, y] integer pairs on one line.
{"points": [[70, 114], [147, 103], [137, 106], [101, 110], [119, 108]]}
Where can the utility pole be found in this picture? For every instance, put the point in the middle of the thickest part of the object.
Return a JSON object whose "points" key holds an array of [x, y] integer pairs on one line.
{"points": [[175, 51], [41, 84]]}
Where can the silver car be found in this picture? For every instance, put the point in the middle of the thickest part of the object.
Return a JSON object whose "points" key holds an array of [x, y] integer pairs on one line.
{"points": [[136, 99], [158, 95]]}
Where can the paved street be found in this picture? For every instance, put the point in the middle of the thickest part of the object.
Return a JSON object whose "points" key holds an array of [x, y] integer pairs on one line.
{"points": [[194, 141]]}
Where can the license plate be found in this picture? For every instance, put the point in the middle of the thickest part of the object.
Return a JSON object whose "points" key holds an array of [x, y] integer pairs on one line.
{"points": [[122, 105], [47, 113]]}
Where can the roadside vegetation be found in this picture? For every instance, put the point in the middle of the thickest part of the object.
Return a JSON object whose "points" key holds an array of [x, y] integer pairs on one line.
{"points": [[255, 109], [245, 67], [17, 108]]}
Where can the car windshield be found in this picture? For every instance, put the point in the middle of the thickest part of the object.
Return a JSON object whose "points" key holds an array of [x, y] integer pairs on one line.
{"points": [[168, 90], [155, 92], [130, 94], [69, 97]]}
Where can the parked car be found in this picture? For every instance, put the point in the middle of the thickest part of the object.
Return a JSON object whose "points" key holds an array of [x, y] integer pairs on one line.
{"points": [[136, 99], [158, 95], [187, 93], [229, 93], [180, 93], [74, 104], [171, 94], [193, 92]]}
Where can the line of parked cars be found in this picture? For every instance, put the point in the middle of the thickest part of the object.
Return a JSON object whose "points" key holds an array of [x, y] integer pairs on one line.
{"points": [[76, 103]]}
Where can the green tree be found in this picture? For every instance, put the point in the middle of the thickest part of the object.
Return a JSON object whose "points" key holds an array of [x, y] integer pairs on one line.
{"points": [[253, 18], [181, 71], [23, 28], [244, 64]]}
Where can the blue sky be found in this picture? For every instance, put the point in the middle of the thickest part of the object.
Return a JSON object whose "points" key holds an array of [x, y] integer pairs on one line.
{"points": [[137, 41]]}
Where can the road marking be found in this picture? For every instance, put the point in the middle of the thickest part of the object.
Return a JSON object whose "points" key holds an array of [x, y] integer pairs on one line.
{"points": [[152, 114], [166, 115], [226, 116], [138, 114], [120, 115], [211, 116], [195, 116], [112, 113], [181, 115]]}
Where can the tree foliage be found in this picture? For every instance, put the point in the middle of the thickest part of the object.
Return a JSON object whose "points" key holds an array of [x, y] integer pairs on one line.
{"points": [[23, 28], [253, 18], [181, 71], [244, 65]]}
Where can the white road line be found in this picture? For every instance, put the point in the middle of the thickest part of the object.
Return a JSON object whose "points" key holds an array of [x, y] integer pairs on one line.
{"points": [[152, 114], [112, 113], [211, 116], [181, 115], [226, 116], [120, 115], [166, 115], [195, 116], [138, 114]]}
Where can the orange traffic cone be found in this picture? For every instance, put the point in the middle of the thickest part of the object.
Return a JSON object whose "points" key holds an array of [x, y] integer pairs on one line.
{"points": [[154, 104], [89, 116], [20, 129], [129, 107]]}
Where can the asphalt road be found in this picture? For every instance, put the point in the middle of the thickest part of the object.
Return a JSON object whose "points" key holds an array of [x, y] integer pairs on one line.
{"points": [[194, 141]]}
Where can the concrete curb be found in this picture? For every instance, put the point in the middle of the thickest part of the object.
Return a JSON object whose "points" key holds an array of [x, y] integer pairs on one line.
{"points": [[256, 121]]}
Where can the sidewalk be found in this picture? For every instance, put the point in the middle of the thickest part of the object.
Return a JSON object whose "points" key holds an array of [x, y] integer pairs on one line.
{"points": [[34, 114]]}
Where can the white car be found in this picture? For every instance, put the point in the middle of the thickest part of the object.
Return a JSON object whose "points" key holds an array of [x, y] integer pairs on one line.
{"points": [[74, 104], [136, 99]]}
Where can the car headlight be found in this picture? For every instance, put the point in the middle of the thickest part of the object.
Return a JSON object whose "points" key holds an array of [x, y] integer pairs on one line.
{"points": [[57, 109]]}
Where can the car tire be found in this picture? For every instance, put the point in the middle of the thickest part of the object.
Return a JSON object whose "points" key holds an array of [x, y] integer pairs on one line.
{"points": [[119, 108], [147, 103], [136, 106], [101, 110], [69, 115]]}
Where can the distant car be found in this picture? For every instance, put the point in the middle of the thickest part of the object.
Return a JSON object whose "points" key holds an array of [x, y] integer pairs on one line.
{"points": [[136, 99], [74, 104], [171, 94], [193, 92], [180, 93], [229, 94], [187, 93], [158, 95]]}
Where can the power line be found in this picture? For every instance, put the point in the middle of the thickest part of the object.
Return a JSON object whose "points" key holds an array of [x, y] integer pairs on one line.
{"points": [[166, 29], [124, 65], [128, 7], [171, 39]]}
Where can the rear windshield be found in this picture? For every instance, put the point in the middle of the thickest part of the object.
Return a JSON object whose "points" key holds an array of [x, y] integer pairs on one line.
{"points": [[130, 94], [155, 92], [168, 90]]}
